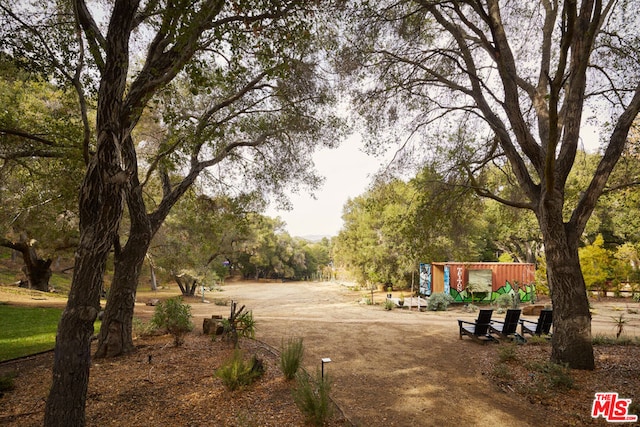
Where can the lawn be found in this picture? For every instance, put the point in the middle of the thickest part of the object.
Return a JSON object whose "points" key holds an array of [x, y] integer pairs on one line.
{"points": [[27, 330]]}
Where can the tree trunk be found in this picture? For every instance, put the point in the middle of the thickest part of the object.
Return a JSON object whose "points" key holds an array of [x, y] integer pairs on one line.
{"points": [[100, 213], [100, 210], [115, 336], [192, 289], [67, 397], [37, 270], [571, 341], [178, 280], [154, 281]]}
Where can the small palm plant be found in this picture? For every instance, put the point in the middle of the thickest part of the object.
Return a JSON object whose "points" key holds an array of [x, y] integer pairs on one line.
{"points": [[620, 322]]}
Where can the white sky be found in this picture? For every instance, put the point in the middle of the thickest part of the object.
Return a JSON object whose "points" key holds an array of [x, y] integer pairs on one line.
{"points": [[348, 172]]}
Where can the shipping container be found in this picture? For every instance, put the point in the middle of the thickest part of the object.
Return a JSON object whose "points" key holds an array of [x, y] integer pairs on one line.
{"points": [[478, 282]]}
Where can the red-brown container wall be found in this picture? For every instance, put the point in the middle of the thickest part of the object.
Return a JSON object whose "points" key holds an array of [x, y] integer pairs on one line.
{"points": [[515, 273]]}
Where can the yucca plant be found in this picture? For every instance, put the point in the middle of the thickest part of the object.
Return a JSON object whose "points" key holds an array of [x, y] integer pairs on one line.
{"points": [[236, 373]]}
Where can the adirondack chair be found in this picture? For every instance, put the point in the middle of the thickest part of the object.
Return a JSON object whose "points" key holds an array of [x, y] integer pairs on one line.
{"points": [[479, 329], [541, 327], [508, 328]]}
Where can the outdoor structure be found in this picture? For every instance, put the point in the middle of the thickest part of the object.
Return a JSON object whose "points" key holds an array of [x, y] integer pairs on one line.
{"points": [[478, 282]]}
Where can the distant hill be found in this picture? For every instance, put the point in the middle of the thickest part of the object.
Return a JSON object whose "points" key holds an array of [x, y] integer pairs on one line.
{"points": [[315, 237]]}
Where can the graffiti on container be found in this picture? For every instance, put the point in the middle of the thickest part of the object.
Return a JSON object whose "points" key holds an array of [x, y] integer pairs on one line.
{"points": [[459, 284], [525, 292]]}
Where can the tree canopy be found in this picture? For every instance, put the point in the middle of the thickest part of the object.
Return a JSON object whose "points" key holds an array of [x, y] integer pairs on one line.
{"points": [[233, 85], [472, 84]]}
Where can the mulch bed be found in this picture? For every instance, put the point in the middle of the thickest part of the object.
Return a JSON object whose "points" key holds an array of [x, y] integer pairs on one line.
{"points": [[162, 385], [567, 395]]}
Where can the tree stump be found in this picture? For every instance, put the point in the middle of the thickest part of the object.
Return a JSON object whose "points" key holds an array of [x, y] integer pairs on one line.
{"points": [[213, 326]]}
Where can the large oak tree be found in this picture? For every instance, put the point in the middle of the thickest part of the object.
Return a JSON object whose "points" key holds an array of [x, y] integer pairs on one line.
{"points": [[508, 83], [250, 96], [251, 105], [40, 169]]}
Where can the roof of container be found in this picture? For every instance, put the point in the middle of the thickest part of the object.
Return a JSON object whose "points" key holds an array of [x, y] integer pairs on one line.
{"points": [[481, 263]]}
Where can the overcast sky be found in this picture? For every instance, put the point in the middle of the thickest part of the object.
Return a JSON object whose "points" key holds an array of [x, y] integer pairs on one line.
{"points": [[348, 172]]}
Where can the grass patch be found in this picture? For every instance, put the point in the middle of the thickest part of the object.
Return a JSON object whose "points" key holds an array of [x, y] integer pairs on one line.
{"points": [[28, 330], [60, 282], [600, 339], [548, 376], [7, 277]]}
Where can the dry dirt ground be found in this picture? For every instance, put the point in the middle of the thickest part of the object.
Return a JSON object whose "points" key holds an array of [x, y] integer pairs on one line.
{"points": [[388, 368]]}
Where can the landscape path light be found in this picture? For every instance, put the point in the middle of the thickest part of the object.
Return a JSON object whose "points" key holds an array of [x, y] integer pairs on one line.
{"points": [[324, 360]]}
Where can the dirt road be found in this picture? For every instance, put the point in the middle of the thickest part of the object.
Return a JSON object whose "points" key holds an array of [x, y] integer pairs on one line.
{"points": [[389, 368]]}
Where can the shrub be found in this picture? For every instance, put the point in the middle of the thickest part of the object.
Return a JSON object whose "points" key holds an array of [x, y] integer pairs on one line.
{"points": [[502, 372], [388, 304], [554, 376], [504, 301], [291, 357], [507, 353], [141, 328], [470, 308], [620, 322], [439, 302], [6, 382], [312, 397], [236, 373], [175, 317]]}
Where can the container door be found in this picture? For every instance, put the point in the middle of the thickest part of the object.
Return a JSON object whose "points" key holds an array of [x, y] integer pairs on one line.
{"points": [[425, 279], [447, 279]]}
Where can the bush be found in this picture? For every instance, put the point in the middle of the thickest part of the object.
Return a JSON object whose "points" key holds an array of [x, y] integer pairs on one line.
{"points": [[504, 301], [6, 382], [507, 353], [470, 308], [291, 357], [174, 317], [502, 372], [439, 302], [235, 373], [312, 397], [143, 329], [553, 375], [388, 304]]}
